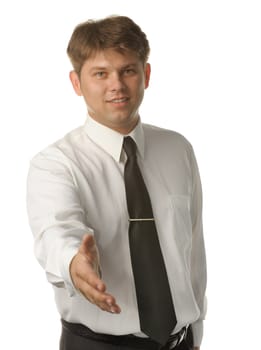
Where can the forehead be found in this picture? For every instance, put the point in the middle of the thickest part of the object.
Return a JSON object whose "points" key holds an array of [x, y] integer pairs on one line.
{"points": [[112, 58]]}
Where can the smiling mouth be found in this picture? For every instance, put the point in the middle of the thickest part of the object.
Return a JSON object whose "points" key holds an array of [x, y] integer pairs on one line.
{"points": [[119, 100]]}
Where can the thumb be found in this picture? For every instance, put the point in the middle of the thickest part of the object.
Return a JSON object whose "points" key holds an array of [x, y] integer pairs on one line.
{"points": [[88, 246], [89, 249]]}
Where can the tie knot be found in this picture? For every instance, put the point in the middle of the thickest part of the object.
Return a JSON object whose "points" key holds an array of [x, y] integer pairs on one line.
{"points": [[129, 146]]}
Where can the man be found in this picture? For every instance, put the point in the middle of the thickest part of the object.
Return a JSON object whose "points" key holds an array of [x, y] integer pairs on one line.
{"points": [[80, 195]]}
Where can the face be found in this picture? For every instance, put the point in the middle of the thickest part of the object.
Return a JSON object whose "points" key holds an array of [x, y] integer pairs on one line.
{"points": [[113, 84]]}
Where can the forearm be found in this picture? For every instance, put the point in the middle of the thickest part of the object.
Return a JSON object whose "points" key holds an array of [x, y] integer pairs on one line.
{"points": [[55, 249], [56, 217]]}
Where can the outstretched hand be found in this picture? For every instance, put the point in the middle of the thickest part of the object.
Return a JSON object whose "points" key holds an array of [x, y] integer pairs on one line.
{"points": [[85, 274]]}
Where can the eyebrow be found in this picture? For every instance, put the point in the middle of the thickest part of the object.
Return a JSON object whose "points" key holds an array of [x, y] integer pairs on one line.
{"points": [[130, 65], [100, 68]]}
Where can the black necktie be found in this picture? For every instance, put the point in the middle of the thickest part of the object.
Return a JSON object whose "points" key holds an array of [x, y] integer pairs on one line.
{"points": [[156, 310]]}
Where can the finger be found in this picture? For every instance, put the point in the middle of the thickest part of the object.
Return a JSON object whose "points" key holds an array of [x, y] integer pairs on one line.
{"points": [[113, 309], [104, 301]]}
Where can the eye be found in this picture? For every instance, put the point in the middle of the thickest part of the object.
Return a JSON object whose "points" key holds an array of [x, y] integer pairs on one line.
{"points": [[100, 75], [129, 71]]}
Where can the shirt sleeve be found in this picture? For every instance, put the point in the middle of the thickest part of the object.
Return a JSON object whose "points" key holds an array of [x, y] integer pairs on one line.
{"points": [[56, 216], [198, 256]]}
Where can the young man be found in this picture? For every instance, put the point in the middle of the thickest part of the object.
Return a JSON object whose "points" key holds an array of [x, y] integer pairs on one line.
{"points": [[108, 185]]}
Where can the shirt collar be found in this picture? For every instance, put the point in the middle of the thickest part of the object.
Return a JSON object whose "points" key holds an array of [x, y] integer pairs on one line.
{"points": [[110, 140]]}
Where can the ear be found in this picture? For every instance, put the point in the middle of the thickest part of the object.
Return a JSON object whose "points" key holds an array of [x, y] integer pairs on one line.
{"points": [[75, 80], [147, 74]]}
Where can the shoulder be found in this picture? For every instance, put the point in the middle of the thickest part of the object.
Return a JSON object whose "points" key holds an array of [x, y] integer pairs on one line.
{"points": [[60, 153], [59, 147], [169, 148], [160, 137]]}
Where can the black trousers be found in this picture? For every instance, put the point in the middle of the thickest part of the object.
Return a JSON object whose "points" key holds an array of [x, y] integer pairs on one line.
{"points": [[72, 341]]}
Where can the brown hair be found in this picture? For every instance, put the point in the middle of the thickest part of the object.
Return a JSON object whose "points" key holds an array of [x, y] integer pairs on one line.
{"points": [[118, 32]]}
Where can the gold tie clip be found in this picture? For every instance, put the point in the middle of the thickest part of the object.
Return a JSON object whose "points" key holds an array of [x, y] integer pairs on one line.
{"points": [[143, 219]]}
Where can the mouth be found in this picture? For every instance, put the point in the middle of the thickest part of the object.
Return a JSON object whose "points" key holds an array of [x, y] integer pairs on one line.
{"points": [[118, 100]]}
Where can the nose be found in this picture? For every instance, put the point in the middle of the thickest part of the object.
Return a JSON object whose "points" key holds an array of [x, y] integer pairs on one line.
{"points": [[116, 82]]}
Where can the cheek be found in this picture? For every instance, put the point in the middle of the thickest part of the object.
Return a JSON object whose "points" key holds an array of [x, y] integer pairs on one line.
{"points": [[93, 96], [140, 87], [137, 86], [91, 91]]}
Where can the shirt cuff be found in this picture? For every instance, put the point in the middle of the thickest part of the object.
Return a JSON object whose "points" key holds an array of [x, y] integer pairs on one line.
{"points": [[197, 330], [66, 260]]}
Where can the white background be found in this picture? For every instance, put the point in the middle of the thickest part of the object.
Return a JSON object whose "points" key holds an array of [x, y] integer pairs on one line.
{"points": [[205, 83]]}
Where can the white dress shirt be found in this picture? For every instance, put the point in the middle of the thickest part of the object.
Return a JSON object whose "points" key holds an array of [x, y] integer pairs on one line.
{"points": [[76, 186]]}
